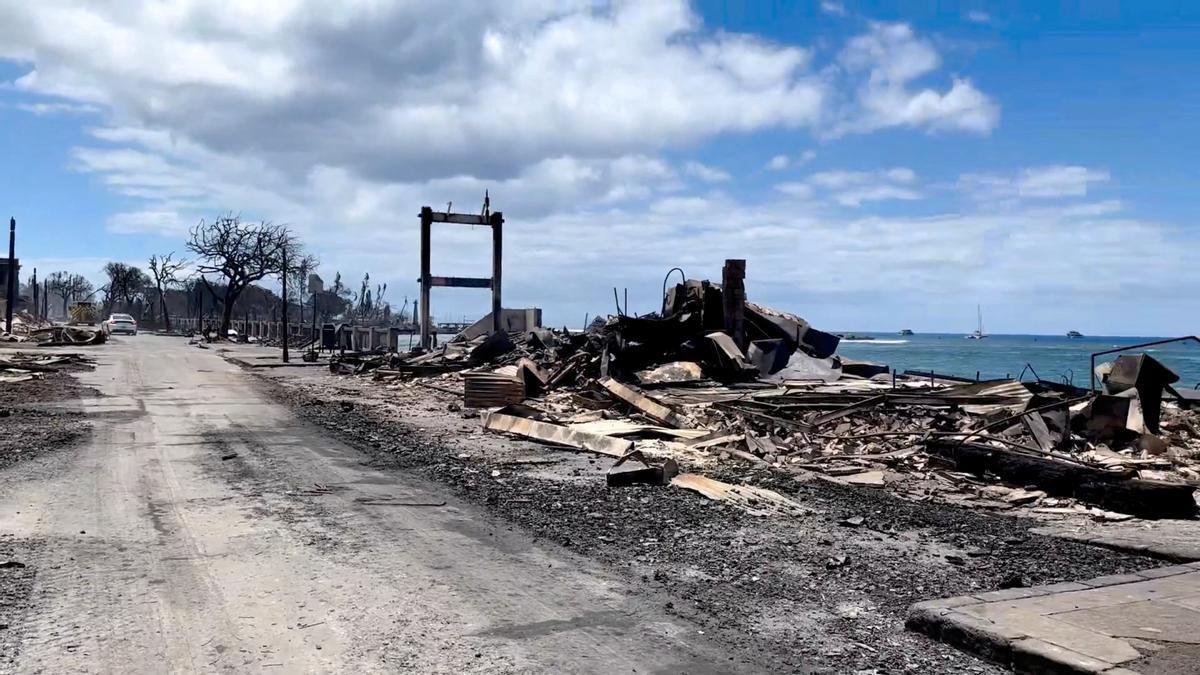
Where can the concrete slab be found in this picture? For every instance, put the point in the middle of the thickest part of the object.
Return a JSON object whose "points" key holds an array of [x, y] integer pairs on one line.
{"points": [[1104, 625], [1080, 639], [1189, 601], [1177, 540], [1151, 620]]}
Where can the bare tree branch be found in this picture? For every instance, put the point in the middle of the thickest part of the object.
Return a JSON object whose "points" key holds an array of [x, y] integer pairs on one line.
{"points": [[242, 253], [165, 272]]}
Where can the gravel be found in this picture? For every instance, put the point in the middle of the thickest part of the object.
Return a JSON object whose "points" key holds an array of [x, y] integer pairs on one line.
{"points": [[33, 423], [814, 593]]}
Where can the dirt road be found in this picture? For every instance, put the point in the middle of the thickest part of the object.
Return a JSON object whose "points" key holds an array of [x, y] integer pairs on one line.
{"points": [[156, 549]]}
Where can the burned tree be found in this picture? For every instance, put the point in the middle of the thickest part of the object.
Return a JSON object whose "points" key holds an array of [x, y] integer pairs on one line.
{"points": [[370, 305], [69, 287], [242, 253], [125, 283], [300, 271], [165, 272]]}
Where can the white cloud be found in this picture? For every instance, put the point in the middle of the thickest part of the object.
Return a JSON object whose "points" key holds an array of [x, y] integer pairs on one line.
{"points": [[855, 197], [343, 119], [706, 173], [853, 188], [166, 223], [58, 108], [795, 189], [833, 8], [1045, 182], [893, 57], [781, 162], [403, 91], [1058, 181], [976, 16]]}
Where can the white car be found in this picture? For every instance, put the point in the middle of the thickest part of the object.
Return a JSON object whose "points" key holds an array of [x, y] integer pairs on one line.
{"points": [[120, 323]]}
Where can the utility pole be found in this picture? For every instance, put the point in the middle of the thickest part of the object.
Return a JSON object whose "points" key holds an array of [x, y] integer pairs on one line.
{"points": [[11, 293], [285, 306], [37, 307], [315, 336]]}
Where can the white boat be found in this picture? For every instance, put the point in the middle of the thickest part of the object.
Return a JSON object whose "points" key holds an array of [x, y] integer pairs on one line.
{"points": [[978, 334]]}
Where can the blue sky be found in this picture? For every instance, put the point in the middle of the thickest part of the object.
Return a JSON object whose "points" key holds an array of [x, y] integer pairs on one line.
{"points": [[879, 165]]}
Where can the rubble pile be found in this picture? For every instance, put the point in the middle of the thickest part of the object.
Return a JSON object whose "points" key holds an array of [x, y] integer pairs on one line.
{"points": [[706, 385], [23, 324], [66, 336], [22, 367]]}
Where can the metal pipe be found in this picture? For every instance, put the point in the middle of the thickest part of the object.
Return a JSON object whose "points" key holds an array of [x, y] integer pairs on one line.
{"points": [[285, 306], [682, 276]]}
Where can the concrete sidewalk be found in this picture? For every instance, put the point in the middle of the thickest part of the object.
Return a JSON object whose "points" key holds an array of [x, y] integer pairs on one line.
{"points": [[1131, 623]]}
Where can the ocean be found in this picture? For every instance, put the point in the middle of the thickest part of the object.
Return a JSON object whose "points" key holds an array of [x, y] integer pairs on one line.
{"points": [[1052, 357]]}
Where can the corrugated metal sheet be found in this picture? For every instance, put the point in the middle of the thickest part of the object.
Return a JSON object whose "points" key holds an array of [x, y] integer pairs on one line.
{"points": [[490, 390], [1009, 395]]}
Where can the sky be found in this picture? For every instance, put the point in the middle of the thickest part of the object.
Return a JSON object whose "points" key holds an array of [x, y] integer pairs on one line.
{"points": [[879, 165]]}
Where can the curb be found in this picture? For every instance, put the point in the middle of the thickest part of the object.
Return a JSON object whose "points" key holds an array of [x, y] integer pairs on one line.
{"points": [[941, 620]]}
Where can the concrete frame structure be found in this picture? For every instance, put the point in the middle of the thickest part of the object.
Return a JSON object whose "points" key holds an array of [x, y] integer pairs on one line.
{"points": [[428, 281]]}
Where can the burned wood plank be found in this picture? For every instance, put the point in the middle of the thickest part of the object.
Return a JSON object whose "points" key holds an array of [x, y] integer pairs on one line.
{"points": [[848, 410], [756, 500], [556, 434], [1116, 491], [1038, 429], [653, 409]]}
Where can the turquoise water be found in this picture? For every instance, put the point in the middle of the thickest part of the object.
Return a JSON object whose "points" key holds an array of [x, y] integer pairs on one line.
{"points": [[1054, 357]]}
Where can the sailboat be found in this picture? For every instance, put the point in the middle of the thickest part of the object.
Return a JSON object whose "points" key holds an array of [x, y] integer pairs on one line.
{"points": [[978, 334]]}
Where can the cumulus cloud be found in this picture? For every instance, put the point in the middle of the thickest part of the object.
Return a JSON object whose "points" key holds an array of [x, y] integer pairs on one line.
{"points": [[167, 223], [403, 91], [781, 162], [796, 189], [706, 173], [1058, 181], [976, 16], [1045, 182], [853, 188], [57, 108], [342, 120], [893, 57], [833, 8]]}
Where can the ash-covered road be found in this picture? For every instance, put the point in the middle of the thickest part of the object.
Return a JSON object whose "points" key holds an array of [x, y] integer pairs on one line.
{"points": [[155, 549]]}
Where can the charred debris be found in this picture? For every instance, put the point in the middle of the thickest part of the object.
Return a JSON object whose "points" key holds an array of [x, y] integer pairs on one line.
{"points": [[717, 384], [27, 329]]}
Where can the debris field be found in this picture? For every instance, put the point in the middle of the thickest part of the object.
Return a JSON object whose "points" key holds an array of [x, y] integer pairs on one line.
{"points": [[714, 380]]}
